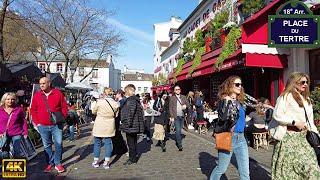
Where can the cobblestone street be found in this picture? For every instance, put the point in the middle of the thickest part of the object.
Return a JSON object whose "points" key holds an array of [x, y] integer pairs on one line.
{"points": [[196, 161]]}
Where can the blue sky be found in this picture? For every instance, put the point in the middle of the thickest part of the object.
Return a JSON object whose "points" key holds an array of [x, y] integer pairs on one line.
{"points": [[135, 19]]}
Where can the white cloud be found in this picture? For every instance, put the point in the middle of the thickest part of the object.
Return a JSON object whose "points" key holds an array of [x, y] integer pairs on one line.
{"points": [[131, 30]]}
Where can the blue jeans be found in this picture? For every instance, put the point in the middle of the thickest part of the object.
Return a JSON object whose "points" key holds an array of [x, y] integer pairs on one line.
{"points": [[107, 145], [178, 124], [16, 143], [49, 134], [71, 131], [240, 149]]}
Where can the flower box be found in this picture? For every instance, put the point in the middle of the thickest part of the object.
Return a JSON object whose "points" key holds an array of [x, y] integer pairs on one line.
{"points": [[208, 42]]}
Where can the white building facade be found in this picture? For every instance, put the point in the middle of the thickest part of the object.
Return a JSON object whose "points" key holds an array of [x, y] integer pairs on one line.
{"points": [[142, 81], [172, 39], [162, 40], [203, 14], [102, 75]]}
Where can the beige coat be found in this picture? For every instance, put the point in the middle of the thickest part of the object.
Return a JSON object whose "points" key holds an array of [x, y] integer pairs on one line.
{"points": [[104, 125]]}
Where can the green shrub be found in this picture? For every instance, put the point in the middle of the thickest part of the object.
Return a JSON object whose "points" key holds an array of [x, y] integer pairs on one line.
{"points": [[197, 59], [249, 7], [178, 69], [315, 98], [218, 22], [230, 45]]}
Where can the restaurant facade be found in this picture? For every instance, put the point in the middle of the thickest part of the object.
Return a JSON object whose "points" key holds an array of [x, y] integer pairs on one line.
{"points": [[262, 69]]}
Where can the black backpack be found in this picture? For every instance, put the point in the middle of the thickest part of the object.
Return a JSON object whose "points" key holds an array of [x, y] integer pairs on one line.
{"points": [[71, 118]]}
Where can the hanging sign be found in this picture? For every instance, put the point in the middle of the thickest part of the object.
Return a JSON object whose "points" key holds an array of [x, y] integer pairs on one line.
{"points": [[294, 25]]}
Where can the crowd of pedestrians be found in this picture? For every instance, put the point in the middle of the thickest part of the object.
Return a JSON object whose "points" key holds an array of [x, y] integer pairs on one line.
{"points": [[289, 123]]}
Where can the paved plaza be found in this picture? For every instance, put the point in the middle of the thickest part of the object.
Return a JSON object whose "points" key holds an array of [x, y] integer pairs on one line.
{"points": [[196, 161]]}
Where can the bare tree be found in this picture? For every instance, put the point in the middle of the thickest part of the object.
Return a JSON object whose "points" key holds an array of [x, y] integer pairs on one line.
{"points": [[18, 41], [71, 29], [5, 5]]}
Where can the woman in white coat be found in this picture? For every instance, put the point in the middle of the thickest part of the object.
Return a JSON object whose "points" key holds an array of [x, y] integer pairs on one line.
{"points": [[293, 157], [106, 110]]}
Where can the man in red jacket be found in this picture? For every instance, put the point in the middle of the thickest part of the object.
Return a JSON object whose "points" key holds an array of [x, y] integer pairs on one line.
{"points": [[49, 132]]}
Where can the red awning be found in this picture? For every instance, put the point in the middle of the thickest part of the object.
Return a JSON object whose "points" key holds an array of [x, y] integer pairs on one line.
{"points": [[266, 60], [184, 73]]}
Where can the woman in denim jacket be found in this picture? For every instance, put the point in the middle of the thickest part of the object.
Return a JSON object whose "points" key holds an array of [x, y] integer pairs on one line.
{"points": [[231, 114]]}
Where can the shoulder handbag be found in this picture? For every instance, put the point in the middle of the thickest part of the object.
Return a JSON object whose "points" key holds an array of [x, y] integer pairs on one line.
{"points": [[185, 111], [312, 137], [4, 139], [114, 113], [55, 117], [224, 141]]}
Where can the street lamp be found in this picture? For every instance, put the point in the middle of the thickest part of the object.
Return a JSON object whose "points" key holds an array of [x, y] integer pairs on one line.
{"points": [[72, 70]]}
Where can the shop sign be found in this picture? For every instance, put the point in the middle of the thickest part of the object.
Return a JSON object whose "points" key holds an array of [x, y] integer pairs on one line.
{"points": [[294, 25]]}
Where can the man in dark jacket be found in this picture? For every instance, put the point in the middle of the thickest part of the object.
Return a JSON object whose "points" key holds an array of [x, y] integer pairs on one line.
{"points": [[132, 121], [119, 145], [178, 109]]}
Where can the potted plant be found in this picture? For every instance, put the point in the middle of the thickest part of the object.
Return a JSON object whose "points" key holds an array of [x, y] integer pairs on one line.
{"points": [[216, 28], [208, 42], [250, 7]]}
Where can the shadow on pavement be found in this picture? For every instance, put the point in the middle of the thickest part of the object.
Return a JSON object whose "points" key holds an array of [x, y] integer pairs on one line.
{"points": [[257, 171], [87, 152], [83, 135], [38, 163], [143, 147], [207, 164]]}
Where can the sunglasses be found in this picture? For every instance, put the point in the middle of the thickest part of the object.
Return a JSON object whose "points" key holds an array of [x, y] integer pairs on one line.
{"points": [[238, 84], [177, 89], [303, 82]]}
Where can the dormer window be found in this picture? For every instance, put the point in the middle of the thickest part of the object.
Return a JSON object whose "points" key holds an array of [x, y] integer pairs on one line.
{"points": [[139, 76]]}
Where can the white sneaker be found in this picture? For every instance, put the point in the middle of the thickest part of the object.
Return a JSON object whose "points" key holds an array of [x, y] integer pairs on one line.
{"points": [[105, 165], [95, 164], [127, 154], [190, 127], [92, 122]]}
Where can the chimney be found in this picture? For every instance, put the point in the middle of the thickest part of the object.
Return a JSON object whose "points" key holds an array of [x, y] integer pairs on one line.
{"points": [[125, 68], [109, 58]]}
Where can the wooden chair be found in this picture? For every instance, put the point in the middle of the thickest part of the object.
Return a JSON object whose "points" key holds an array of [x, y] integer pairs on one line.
{"points": [[260, 140], [202, 127]]}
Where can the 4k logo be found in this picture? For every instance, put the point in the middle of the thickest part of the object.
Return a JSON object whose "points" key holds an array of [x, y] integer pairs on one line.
{"points": [[14, 168]]}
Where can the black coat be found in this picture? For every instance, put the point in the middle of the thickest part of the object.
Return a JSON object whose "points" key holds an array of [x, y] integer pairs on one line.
{"points": [[228, 113], [119, 145], [132, 117], [164, 117]]}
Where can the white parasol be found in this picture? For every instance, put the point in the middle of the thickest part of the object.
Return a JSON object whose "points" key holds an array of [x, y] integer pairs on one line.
{"points": [[78, 86]]}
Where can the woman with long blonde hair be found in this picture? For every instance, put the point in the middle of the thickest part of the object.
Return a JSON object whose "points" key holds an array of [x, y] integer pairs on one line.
{"points": [[293, 157], [104, 127], [231, 113]]}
